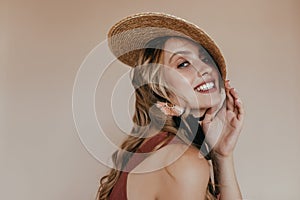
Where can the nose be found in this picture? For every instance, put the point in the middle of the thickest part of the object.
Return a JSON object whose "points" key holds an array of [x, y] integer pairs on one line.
{"points": [[202, 68]]}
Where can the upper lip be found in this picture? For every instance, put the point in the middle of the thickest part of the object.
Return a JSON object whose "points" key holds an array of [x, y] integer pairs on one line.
{"points": [[204, 82]]}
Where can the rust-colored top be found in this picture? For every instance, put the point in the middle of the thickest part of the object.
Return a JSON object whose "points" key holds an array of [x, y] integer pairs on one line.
{"points": [[119, 191]]}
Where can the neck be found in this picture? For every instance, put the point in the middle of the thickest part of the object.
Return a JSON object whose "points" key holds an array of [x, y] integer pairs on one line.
{"points": [[199, 113]]}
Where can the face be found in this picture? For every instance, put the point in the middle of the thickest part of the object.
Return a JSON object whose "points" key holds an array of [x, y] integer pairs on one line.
{"points": [[191, 74]]}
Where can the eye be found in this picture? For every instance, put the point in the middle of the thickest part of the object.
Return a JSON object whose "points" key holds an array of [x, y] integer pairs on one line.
{"points": [[206, 59], [183, 64]]}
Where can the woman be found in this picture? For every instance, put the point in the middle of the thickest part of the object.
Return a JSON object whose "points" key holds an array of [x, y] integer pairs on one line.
{"points": [[180, 110]]}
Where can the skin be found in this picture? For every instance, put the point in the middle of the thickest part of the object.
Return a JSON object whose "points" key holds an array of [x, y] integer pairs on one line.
{"points": [[232, 114], [222, 124], [186, 66], [172, 182]]}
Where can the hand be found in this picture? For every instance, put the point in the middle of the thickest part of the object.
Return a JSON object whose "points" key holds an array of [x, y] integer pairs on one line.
{"points": [[222, 127]]}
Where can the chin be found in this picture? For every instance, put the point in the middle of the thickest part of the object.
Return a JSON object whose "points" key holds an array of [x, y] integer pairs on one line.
{"points": [[213, 99], [216, 101], [203, 102]]}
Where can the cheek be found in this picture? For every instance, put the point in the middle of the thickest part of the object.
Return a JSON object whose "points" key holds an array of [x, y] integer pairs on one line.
{"points": [[218, 76], [177, 81]]}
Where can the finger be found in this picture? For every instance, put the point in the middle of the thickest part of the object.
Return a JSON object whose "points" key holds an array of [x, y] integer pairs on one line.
{"points": [[229, 99], [227, 84], [240, 108], [234, 93]]}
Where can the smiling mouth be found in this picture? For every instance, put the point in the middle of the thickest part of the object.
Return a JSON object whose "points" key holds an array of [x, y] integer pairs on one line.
{"points": [[206, 87]]}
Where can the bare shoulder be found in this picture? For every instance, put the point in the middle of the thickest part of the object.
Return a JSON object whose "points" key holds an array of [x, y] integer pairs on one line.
{"points": [[182, 173], [187, 177], [190, 164]]}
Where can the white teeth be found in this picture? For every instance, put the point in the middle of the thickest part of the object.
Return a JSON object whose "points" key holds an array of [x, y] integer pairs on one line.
{"points": [[206, 86]]}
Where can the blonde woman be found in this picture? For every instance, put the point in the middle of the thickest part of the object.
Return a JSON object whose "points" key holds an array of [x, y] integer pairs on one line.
{"points": [[187, 117]]}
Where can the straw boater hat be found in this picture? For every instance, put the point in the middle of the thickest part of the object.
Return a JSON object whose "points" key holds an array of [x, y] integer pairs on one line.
{"points": [[127, 37]]}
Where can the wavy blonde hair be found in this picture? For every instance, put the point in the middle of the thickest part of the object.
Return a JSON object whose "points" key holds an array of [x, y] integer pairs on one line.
{"points": [[147, 79]]}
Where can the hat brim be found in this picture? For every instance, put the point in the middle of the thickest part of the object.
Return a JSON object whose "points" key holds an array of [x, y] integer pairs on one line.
{"points": [[127, 37]]}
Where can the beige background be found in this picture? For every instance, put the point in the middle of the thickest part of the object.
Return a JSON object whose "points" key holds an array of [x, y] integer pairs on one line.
{"points": [[43, 44]]}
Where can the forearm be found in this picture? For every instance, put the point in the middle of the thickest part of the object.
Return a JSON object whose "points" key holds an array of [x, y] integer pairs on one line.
{"points": [[227, 181]]}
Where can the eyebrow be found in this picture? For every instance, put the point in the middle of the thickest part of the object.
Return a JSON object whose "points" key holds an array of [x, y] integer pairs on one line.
{"points": [[179, 52]]}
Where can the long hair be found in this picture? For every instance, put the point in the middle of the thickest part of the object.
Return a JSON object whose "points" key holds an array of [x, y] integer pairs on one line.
{"points": [[150, 87]]}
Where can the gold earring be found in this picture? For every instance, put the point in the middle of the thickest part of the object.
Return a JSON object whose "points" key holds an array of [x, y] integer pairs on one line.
{"points": [[172, 110]]}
